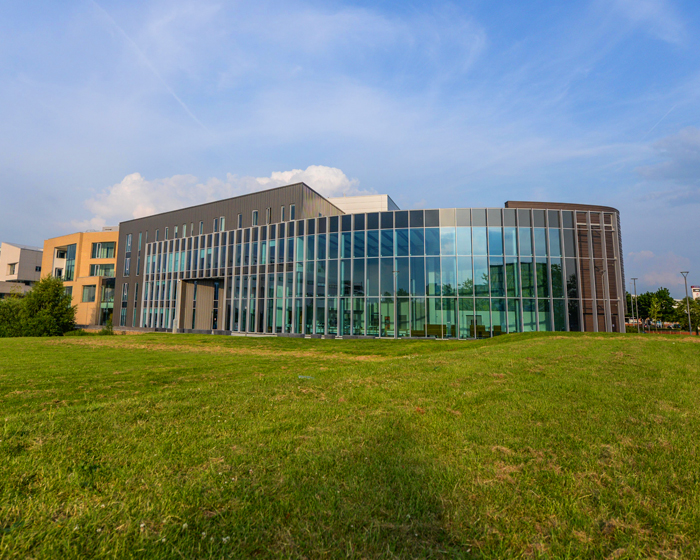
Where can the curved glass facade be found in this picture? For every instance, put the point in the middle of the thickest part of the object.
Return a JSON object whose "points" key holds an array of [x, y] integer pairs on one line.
{"points": [[448, 273]]}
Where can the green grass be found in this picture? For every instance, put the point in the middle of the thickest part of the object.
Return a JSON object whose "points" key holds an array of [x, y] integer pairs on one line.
{"points": [[524, 446]]}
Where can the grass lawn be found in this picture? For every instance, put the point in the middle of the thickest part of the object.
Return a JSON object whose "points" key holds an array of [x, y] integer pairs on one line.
{"points": [[524, 446]]}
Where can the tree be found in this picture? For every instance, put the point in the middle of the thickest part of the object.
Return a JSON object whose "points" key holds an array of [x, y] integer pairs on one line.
{"points": [[666, 305], [11, 316], [682, 314], [655, 310], [44, 311], [47, 310]]}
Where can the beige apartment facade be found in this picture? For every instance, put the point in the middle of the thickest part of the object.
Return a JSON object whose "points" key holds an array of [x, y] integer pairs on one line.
{"points": [[20, 268], [86, 262]]}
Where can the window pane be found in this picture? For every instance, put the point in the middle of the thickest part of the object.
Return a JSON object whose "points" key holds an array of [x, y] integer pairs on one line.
{"points": [[540, 242], [481, 276], [498, 316], [387, 277], [333, 246], [358, 316], [542, 279], [479, 240], [387, 317], [525, 235], [417, 242], [432, 241], [320, 247], [464, 241], [544, 315], [557, 278], [387, 243], [527, 277], [482, 317], [434, 318], [359, 248], [554, 243], [447, 241], [449, 317], [496, 241], [513, 315], [320, 316], [417, 317], [346, 245], [373, 317], [358, 277], [466, 318], [373, 277], [497, 277], [465, 281], [512, 278], [402, 317], [432, 270], [402, 277], [449, 276], [401, 242], [345, 279], [373, 243], [510, 241], [559, 315], [417, 276]]}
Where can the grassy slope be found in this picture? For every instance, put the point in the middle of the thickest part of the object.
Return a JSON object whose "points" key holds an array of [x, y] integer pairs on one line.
{"points": [[154, 446]]}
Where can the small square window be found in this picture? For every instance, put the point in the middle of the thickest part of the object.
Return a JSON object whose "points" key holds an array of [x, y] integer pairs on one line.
{"points": [[240, 221], [201, 228], [255, 217], [282, 214], [292, 212]]}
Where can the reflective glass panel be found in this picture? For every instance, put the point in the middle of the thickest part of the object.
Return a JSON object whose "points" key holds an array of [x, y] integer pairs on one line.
{"points": [[497, 277], [401, 242], [432, 241], [496, 241], [373, 316], [387, 277], [466, 318], [464, 241], [432, 271], [447, 241], [544, 315], [417, 276], [525, 235], [465, 282], [402, 317], [481, 276], [529, 315], [540, 242], [449, 276], [434, 318], [417, 316], [554, 243], [499, 318], [479, 240], [482, 317], [511, 246], [373, 277], [359, 248], [513, 315], [373, 243], [402, 277], [387, 243], [417, 242]]}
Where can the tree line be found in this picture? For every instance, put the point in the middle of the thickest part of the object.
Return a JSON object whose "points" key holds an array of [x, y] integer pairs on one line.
{"points": [[660, 306], [44, 311]]}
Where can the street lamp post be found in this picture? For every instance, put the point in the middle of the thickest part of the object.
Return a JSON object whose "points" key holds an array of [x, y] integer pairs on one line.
{"points": [[687, 301], [635, 302], [632, 306]]}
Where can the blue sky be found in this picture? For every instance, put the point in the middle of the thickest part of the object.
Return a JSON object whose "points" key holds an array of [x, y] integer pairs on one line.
{"points": [[111, 110]]}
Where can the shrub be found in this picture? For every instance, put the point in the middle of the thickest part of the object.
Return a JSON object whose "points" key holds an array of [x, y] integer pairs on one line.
{"points": [[44, 311]]}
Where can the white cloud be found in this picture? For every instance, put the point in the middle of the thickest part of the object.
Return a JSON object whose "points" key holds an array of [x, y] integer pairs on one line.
{"points": [[136, 197], [657, 270]]}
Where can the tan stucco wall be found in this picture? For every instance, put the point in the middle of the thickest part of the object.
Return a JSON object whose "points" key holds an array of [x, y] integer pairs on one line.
{"points": [[27, 260], [87, 313]]}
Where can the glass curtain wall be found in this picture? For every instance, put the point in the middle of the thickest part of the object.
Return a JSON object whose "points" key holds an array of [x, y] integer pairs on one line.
{"points": [[450, 273]]}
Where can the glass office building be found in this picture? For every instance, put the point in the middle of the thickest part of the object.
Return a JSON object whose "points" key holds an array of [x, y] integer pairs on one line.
{"points": [[447, 273]]}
